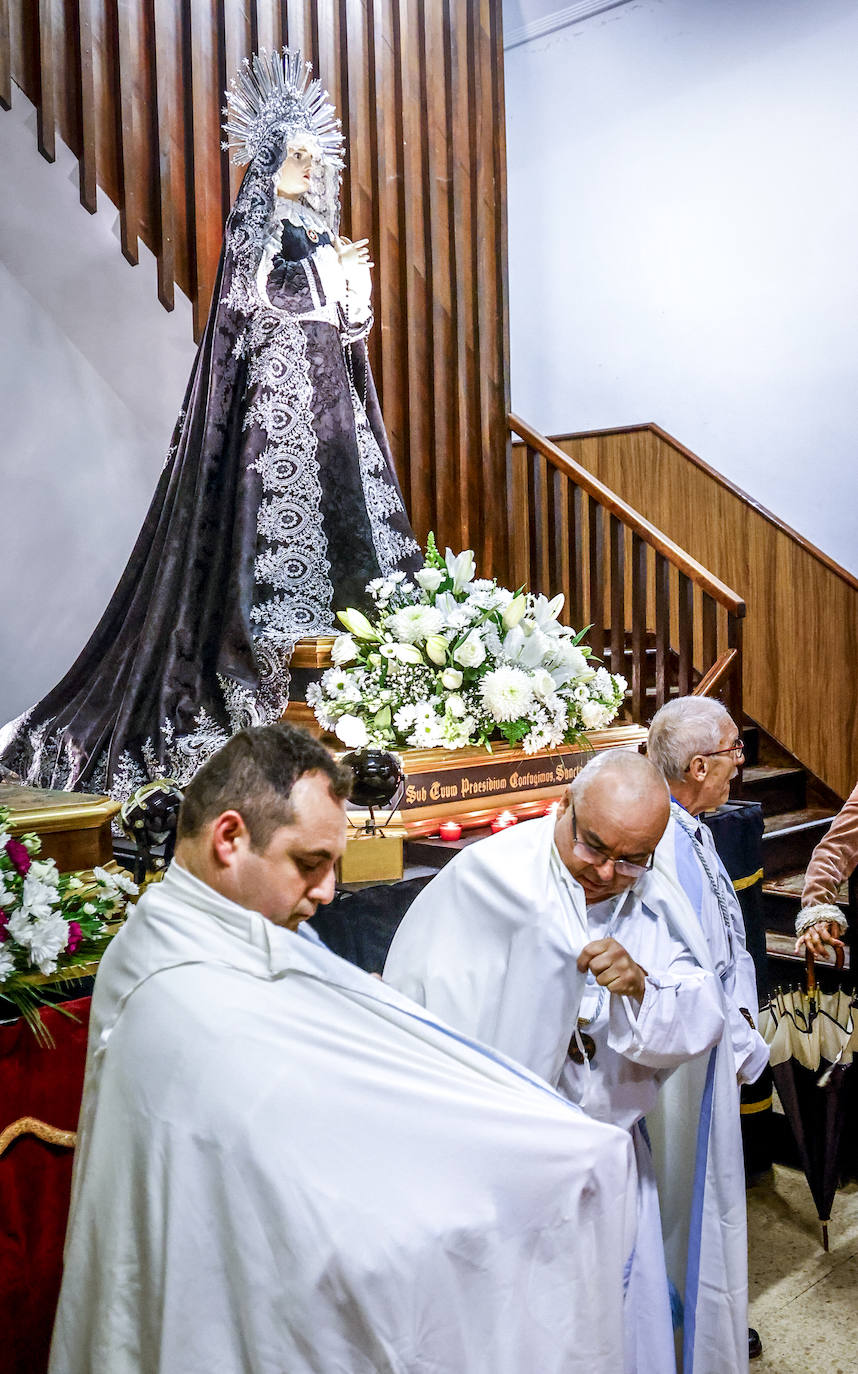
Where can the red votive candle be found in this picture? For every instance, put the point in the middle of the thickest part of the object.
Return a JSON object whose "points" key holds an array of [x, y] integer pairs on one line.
{"points": [[504, 821], [552, 809], [450, 830]]}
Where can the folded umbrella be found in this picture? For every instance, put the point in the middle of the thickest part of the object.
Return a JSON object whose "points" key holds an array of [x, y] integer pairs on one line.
{"points": [[812, 1037]]}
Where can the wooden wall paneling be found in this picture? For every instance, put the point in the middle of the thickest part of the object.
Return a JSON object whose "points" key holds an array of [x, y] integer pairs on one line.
{"points": [[45, 105], [237, 45], [66, 72], [206, 171], [302, 30], [268, 23], [417, 324], [88, 161], [5, 56], [499, 290], [332, 70], [129, 58]]}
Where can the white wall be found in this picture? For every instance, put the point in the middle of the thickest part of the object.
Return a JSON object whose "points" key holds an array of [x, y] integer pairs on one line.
{"points": [[683, 217], [92, 374]]}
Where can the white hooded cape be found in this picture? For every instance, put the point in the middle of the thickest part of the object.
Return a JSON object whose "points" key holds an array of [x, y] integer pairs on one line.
{"points": [[491, 945], [284, 1167]]}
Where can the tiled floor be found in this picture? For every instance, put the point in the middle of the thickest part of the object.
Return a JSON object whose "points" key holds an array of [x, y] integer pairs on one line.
{"points": [[804, 1302]]}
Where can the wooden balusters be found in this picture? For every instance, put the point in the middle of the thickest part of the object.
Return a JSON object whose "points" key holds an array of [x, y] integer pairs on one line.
{"points": [[662, 629], [639, 635], [685, 629], [46, 112], [617, 550], [596, 577], [734, 692], [576, 557]]}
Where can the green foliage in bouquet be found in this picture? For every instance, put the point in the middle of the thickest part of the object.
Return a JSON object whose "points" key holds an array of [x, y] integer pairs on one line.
{"points": [[452, 660]]}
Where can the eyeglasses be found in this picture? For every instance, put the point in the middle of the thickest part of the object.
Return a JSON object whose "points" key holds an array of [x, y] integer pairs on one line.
{"points": [[624, 868], [737, 748]]}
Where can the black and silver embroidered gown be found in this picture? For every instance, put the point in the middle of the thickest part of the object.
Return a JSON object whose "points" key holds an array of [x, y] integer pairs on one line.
{"points": [[277, 504]]}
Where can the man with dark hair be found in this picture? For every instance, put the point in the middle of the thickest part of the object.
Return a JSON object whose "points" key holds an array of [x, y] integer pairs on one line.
{"points": [[283, 1165]]}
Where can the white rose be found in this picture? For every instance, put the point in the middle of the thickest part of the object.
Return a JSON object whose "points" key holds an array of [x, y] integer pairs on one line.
{"points": [[471, 653], [352, 731], [429, 579], [452, 679], [455, 706], [343, 650], [593, 715], [542, 683]]}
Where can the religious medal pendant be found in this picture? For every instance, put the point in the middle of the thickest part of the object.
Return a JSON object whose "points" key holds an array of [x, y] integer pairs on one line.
{"points": [[581, 1041], [311, 235]]}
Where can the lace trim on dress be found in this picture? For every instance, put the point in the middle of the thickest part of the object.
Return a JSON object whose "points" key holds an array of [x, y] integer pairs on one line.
{"points": [[380, 496]]}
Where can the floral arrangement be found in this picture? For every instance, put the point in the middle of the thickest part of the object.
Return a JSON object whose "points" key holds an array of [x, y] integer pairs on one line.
{"points": [[49, 921], [453, 660]]}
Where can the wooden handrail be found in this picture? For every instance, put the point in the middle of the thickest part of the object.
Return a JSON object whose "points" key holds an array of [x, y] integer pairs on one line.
{"points": [[710, 584], [717, 675]]}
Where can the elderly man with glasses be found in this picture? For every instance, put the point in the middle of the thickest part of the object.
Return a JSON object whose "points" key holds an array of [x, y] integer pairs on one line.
{"points": [[695, 744], [560, 944]]}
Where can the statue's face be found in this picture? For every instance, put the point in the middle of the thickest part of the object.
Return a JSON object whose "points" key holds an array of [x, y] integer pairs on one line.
{"points": [[293, 179]]}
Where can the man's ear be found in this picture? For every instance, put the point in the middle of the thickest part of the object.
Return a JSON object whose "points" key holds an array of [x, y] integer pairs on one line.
{"points": [[563, 804], [698, 768], [229, 836]]}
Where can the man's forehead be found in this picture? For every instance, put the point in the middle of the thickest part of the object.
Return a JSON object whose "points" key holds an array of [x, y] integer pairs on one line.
{"points": [[620, 820]]}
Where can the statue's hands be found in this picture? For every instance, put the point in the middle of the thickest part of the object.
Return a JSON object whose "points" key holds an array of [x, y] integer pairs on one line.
{"points": [[613, 968], [352, 255], [818, 937]]}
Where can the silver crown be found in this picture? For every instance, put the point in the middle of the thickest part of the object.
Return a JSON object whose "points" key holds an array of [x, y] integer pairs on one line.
{"points": [[274, 91]]}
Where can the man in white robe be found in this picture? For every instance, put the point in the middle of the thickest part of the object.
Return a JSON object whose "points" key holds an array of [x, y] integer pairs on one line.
{"points": [[557, 943], [284, 1167], [695, 744]]}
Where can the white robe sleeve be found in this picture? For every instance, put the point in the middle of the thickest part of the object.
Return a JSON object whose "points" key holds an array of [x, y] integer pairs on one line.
{"points": [[680, 1017]]}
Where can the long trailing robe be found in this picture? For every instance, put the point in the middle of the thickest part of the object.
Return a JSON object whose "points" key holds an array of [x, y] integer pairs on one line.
{"points": [[285, 1165]]}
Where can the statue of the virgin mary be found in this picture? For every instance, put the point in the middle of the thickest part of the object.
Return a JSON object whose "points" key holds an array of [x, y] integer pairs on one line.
{"points": [[278, 501]]}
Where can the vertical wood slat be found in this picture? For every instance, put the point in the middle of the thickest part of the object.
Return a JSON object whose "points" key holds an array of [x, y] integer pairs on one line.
{"points": [[5, 57], [205, 152], [167, 47], [88, 174], [617, 556], [709, 615], [639, 604], [517, 491], [685, 626], [662, 630], [596, 577], [558, 531], [541, 572], [530, 514], [734, 691], [464, 388], [576, 558], [128, 63], [46, 111]]}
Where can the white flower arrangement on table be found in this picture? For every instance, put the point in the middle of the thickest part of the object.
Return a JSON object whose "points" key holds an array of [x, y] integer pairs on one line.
{"points": [[450, 660], [49, 921]]}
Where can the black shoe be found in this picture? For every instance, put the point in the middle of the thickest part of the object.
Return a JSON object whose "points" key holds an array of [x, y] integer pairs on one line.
{"points": [[755, 1345]]}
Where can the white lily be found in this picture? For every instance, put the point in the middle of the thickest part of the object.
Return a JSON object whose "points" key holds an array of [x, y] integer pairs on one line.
{"points": [[514, 612], [356, 623], [436, 649], [460, 567], [407, 653]]}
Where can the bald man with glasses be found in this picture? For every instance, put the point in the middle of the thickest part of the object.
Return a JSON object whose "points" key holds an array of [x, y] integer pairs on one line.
{"points": [[559, 943]]}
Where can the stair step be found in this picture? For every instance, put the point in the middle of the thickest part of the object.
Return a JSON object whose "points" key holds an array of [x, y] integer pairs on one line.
{"points": [[776, 789], [790, 838]]}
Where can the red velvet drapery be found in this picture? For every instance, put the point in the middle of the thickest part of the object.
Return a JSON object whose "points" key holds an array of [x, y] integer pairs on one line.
{"points": [[35, 1179]]}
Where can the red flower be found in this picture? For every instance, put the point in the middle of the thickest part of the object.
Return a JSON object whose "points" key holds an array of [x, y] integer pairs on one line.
{"points": [[75, 937], [19, 856], [4, 919]]}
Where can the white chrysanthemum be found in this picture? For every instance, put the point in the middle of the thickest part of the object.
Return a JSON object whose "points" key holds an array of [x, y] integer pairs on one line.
{"points": [[508, 693], [415, 622], [620, 684], [7, 963], [126, 885], [5, 837], [37, 898], [89, 909], [74, 882], [405, 717], [602, 684], [428, 732], [19, 927], [7, 898], [46, 871], [102, 876], [49, 936], [352, 731]]}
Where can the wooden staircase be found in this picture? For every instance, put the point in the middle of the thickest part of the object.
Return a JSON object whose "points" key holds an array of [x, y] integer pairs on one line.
{"points": [[797, 811]]}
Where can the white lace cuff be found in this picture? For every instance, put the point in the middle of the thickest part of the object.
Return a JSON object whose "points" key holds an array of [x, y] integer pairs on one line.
{"points": [[810, 915]]}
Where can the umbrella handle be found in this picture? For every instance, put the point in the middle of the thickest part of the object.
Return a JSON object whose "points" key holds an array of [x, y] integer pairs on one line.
{"points": [[810, 968]]}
